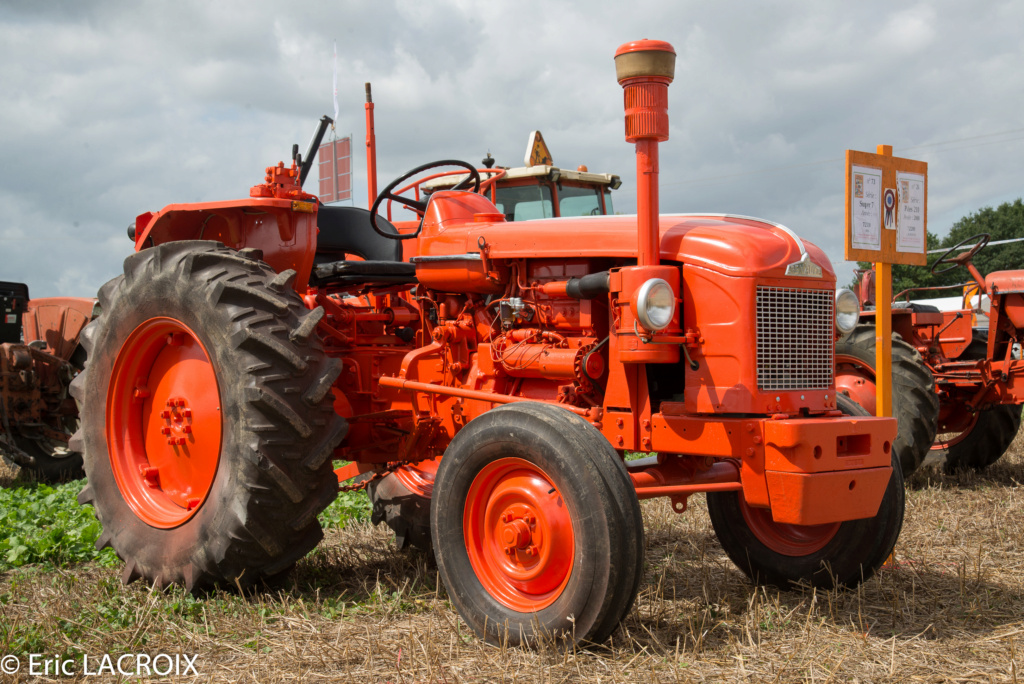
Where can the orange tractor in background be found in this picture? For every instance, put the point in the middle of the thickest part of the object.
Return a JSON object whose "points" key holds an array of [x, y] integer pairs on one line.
{"points": [[540, 189], [40, 354], [956, 394], [486, 389]]}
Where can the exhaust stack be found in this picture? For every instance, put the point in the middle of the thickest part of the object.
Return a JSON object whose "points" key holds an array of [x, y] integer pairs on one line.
{"points": [[644, 69]]}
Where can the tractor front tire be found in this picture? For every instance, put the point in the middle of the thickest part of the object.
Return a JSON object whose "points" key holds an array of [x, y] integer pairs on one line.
{"points": [[207, 420], [915, 406], [987, 436], [537, 528], [836, 554]]}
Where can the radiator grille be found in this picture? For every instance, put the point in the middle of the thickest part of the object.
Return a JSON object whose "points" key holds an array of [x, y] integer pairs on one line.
{"points": [[794, 338]]}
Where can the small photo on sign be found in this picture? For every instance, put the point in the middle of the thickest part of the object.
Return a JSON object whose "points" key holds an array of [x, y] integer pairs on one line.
{"points": [[858, 185]]}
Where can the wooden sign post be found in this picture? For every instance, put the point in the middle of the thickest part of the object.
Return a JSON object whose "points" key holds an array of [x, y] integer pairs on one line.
{"points": [[886, 223]]}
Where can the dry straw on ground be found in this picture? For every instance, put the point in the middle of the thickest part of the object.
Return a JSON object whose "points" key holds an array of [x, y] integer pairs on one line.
{"points": [[950, 609]]}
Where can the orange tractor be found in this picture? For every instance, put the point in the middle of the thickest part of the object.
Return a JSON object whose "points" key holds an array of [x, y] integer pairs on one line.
{"points": [[486, 389], [956, 395], [39, 357]]}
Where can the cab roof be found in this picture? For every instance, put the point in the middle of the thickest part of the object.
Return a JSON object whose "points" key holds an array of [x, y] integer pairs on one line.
{"points": [[543, 170]]}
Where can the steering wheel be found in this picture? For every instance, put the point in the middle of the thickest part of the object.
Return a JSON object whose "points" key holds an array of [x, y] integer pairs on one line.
{"points": [[419, 206], [961, 259]]}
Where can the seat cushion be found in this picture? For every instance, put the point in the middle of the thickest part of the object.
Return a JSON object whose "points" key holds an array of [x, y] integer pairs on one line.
{"points": [[364, 272]]}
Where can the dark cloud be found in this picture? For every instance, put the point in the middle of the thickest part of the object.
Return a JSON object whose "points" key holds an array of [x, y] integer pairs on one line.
{"points": [[112, 109]]}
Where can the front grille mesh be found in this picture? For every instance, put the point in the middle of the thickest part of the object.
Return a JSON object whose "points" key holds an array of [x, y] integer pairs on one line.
{"points": [[794, 338]]}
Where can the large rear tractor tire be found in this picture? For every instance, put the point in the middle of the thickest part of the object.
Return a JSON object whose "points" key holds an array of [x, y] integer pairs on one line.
{"points": [[207, 420], [537, 528], [915, 406], [985, 436], [835, 554], [402, 501]]}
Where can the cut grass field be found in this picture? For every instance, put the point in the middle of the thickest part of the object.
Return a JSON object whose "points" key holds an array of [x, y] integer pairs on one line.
{"points": [[951, 607]]}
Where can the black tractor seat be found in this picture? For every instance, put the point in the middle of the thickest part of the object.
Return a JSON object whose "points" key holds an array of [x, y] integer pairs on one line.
{"points": [[345, 232], [916, 308]]}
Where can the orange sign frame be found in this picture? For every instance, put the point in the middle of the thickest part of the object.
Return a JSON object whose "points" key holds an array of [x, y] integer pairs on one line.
{"points": [[889, 166], [887, 254]]}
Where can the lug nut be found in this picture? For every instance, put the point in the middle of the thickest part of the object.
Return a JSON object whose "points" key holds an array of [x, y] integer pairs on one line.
{"points": [[151, 475]]}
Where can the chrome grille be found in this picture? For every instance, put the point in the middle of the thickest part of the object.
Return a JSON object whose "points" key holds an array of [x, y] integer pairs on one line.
{"points": [[794, 338]]}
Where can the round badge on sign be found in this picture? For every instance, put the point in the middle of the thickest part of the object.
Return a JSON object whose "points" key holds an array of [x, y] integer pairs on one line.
{"points": [[889, 200]]}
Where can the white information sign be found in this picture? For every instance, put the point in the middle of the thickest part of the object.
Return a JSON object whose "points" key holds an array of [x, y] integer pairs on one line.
{"points": [[865, 198], [910, 235]]}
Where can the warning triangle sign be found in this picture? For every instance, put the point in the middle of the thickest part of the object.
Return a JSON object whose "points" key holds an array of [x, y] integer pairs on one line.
{"points": [[537, 153]]}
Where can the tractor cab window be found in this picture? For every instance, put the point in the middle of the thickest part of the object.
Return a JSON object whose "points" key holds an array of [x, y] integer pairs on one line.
{"points": [[578, 201], [524, 202], [608, 202]]}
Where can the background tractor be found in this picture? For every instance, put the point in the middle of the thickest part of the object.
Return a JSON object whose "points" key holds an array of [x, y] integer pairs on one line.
{"points": [[39, 356], [957, 391], [540, 189], [486, 389]]}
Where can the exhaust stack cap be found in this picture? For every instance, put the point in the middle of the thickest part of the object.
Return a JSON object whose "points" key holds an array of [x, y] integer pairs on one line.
{"points": [[645, 59]]}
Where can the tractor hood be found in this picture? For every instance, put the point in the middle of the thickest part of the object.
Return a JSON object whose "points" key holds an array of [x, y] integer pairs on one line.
{"points": [[732, 245]]}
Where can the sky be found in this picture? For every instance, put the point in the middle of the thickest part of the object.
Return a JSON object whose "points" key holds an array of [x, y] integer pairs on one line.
{"points": [[114, 108]]}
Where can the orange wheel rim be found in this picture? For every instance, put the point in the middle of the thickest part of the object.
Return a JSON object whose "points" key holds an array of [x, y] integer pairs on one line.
{"points": [[783, 538], [163, 422], [519, 535], [955, 430]]}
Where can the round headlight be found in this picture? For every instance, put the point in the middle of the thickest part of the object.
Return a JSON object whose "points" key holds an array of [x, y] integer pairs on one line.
{"points": [[655, 304], [847, 310]]}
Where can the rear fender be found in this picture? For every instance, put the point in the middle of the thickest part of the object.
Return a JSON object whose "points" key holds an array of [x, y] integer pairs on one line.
{"points": [[57, 321], [284, 230]]}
